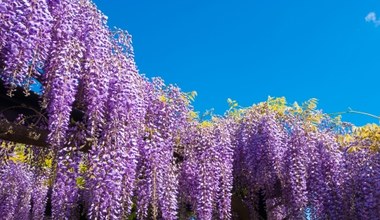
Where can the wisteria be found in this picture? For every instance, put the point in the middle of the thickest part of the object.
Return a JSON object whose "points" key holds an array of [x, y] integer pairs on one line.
{"points": [[26, 29], [122, 146], [166, 117], [39, 196]]}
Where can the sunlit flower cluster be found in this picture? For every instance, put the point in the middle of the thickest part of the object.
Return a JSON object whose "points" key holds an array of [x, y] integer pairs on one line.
{"points": [[124, 146]]}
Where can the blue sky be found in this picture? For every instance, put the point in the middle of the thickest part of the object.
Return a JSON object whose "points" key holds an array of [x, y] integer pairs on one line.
{"points": [[249, 49]]}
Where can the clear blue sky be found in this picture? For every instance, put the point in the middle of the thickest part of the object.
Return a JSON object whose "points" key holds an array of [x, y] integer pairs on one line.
{"points": [[249, 49]]}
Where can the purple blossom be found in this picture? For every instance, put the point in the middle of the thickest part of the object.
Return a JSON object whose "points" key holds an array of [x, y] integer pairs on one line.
{"points": [[16, 187], [141, 147]]}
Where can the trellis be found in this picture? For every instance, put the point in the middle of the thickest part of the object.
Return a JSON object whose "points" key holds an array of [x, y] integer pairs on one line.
{"points": [[28, 133]]}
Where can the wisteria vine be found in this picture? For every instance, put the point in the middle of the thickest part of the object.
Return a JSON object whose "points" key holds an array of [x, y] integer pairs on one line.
{"points": [[122, 146]]}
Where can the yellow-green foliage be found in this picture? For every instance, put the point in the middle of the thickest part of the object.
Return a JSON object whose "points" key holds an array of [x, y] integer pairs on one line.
{"points": [[82, 168], [19, 155], [367, 136], [277, 105], [191, 95], [307, 111], [162, 98], [205, 124], [48, 163], [193, 115], [81, 182]]}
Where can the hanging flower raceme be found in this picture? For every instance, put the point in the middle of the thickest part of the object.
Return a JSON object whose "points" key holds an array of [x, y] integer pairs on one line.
{"points": [[259, 160], [361, 189], [39, 196], [325, 179], [66, 195], [62, 71], [206, 172], [295, 189], [113, 161], [96, 66], [166, 115], [23, 192], [16, 188], [61, 82], [25, 39], [226, 151]]}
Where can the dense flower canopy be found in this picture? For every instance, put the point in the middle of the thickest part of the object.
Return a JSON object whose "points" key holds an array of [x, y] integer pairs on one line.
{"points": [[138, 150]]}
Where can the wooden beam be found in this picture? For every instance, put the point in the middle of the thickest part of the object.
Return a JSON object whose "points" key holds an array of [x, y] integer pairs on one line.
{"points": [[29, 106], [23, 134]]}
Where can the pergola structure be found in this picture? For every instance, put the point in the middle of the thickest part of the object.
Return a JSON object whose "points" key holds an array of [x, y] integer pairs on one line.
{"points": [[25, 132], [29, 132]]}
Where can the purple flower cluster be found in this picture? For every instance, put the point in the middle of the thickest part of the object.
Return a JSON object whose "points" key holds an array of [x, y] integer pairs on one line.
{"points": [[97, 66], [296, 171], [25, 28], [259, 163], [65, 195], [22, 194], [362, 195], [157, 185], [145, 151], [206, 172], [300, 168], [39, 196], [63, 69], [16, 190], [114, 158]]}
